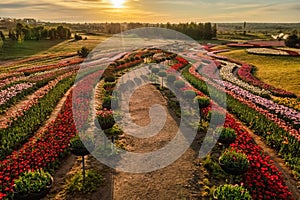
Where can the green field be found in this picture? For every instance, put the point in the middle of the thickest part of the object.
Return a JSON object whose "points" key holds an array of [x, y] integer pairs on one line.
{"points": [[279, 71], [12, 49]]}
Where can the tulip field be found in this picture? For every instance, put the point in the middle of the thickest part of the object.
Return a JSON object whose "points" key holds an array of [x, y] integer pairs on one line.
{"points": [[37, 105]]}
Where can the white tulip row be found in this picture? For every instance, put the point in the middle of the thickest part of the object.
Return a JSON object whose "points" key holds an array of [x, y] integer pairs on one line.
{"points": [[226, 72], [267, 51]]}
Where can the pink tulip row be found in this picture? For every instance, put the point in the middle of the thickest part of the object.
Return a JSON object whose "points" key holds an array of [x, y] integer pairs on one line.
{"points": [[288, 114], [20, 109], [10, 80], [12, 91], [234, 91]]}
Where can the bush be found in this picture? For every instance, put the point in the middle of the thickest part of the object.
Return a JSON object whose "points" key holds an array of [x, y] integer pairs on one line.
{"points": [[233, 159], [115, 130], [83, 52], [171, 78], [189, 94], [232, 192], [179, 84], [109, 85], [109, 102], [155, 70], [202, 101], [105, 118], [226, 135], [32, 182], [92, 182], [77, 145], [109, 79]]}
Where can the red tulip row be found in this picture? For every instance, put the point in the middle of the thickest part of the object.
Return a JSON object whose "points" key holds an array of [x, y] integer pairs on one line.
{"points": [[181, 62], [263, 179], [44, 151], [35, 69]]}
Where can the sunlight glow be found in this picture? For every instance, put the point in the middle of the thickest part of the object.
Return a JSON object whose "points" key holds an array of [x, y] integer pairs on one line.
{"points": [[118, 3]]}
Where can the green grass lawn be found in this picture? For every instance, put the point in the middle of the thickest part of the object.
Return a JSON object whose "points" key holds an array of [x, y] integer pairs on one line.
{"points": [[12, 49], [279, 71]]}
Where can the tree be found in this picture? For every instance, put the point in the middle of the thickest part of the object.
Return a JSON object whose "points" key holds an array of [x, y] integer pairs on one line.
{"points": [[83, 52], [2, 36], [162, 74], [292, 41]]}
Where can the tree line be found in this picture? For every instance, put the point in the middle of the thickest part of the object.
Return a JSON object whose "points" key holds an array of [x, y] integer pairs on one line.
{"points": [[197, 31], [26, 32]]}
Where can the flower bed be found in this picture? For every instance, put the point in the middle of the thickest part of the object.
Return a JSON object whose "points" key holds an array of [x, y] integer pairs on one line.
{"points": [[21, 108], [289, 102], [36, 69], [282, 141], [6, 95], [263, 179], [42, 152], [226, 72], [245, 73], [290, 118], [23, 128], [267, 51]]}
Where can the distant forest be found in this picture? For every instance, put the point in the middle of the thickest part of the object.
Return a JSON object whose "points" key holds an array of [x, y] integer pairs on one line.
{"points": [[20, 30]]}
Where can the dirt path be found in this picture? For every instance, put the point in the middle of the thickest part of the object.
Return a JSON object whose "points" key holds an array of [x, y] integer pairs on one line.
{"points": [[166, 183]]}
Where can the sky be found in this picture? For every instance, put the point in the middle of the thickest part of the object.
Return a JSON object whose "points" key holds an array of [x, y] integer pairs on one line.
{"points": [[153, 11]]}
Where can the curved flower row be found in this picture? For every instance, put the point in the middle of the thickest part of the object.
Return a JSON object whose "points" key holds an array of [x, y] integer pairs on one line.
{"points": [[10, 80], [20, 109], [35, 69], [181, 62], [283, 141], [245, 73], [226, 72], [12, 91], [289, 102], [52, 73], [263, 179], [267, 51], [280, 122], [288, 115], [285, 113], [42, 152], [45, 150]]}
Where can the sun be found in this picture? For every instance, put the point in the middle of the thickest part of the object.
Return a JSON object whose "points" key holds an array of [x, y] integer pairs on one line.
{"points": [[117, 3]]}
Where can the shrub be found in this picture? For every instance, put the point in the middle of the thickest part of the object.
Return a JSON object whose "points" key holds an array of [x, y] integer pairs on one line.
{"points": [[155, 70], [233, 159], [226, 135], [115, 130], [232, 192], [202, 101], [83, 52], [110, 79], [189, 94], [80, 145], [179, 84], [32, 182], [105, 118], [92, 182], [171, 78]]}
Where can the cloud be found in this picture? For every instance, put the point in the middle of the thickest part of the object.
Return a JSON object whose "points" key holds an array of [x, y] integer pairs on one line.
{"points": [[154, 10]]}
